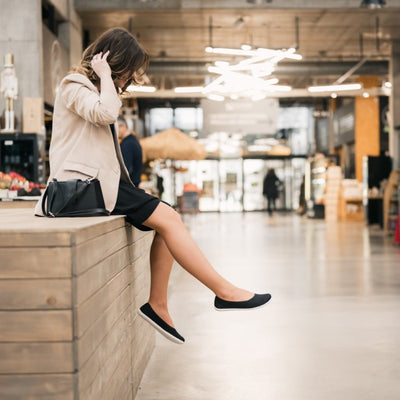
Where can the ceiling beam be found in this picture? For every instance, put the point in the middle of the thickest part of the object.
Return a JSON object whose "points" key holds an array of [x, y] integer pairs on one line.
{"points": [[295, 93], [298, 68]]}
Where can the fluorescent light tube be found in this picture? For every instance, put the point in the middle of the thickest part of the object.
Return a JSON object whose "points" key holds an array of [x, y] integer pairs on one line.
{"points": [[216, 97], [145, 89], [334, 88], [189, 89]]}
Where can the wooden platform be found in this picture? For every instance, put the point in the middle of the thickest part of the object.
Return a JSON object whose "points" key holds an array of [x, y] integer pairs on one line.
{"points": [[69, 291]]}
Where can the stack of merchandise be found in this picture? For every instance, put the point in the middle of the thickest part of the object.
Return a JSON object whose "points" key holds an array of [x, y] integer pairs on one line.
{"points": [[332, 190]]}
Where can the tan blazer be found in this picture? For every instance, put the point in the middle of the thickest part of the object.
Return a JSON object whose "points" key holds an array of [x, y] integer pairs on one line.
{"points": [[82, 145]]}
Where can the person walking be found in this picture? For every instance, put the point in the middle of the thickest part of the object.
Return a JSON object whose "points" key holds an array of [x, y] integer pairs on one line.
{"points": [[84, 144], [131, 151], [270, 189]]}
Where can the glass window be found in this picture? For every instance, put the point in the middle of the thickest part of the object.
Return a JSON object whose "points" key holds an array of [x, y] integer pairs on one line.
{"points": [[159, 119], [188, 118]]}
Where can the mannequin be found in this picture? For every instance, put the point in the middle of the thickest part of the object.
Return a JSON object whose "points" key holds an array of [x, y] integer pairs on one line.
{"points": [[9, 86]]}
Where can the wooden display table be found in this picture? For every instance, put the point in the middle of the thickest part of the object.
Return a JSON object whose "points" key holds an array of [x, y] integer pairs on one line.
{"points": [[69, 291], [351, 208]]}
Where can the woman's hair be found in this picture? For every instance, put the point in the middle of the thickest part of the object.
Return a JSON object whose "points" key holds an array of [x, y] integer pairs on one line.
{"points": [[126, 57]]}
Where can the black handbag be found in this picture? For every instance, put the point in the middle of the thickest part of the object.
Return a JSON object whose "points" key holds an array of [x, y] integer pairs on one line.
{"points": [[73, 198]]}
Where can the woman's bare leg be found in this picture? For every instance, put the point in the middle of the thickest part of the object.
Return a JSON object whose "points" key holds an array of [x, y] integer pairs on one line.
{"points": [[168, 224], [161, 261]]}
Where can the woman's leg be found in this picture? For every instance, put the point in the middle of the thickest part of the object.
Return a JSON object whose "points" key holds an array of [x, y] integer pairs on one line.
{"points": [[273, 203], [161, 261], [269, 208], [168, 224]]}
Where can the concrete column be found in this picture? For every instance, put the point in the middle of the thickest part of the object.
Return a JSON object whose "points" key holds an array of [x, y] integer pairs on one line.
{"points": [[366, 128], [21, 35], [61, 49], [394, 104], [70, 34]]}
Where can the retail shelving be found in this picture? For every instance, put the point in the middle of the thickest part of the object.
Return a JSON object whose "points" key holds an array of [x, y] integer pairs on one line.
{"points": [[391, 201]]}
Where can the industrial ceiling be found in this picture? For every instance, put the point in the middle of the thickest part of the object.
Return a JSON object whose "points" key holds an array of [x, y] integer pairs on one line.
{"points": [[337, 39]]}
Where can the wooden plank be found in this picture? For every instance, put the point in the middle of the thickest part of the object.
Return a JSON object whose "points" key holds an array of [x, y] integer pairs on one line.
{"points": [[23, 294], [20, 228], [35, 326], [91, 339], [120, 384], [95, 250], [43, 387], [125, 393], [114, 374], [92, 309], [134, 234], [141, 269], [141, 246], [108, 346], [141, 330], [18, 204], [140, 282], [41, 262], [140, 357], [93, 279], [102, 225], [27, 358], [21, 239]]}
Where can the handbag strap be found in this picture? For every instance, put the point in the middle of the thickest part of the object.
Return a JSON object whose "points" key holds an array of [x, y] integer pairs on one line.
{"points": [[44, 199]]}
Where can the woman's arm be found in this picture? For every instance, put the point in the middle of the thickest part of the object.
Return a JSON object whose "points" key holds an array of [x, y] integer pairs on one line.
{"points": [[103, 71], [98, 109]]}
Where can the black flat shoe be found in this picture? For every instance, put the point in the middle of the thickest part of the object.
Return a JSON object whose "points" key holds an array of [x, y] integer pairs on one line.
{"points": [[166, 330], [257, 300]]}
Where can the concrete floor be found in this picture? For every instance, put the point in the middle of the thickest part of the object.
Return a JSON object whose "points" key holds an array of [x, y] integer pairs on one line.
{"points": [[331, 330]]}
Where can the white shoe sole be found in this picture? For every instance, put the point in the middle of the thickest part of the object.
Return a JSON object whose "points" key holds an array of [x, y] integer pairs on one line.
{"points": [[167, 335]]}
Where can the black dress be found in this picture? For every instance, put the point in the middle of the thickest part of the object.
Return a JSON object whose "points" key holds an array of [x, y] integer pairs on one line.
{"points": [[134, 203]]}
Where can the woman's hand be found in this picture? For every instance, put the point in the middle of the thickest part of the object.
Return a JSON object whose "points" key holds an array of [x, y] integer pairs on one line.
{"points": [[100, 65]]}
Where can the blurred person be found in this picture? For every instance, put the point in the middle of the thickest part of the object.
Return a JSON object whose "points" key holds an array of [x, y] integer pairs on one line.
{"points": [[270, 189], [302, 198], [131, 151], [160, 185], [84, 144]]}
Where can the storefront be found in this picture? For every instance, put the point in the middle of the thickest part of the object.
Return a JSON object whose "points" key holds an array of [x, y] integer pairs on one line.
{"points": [[234, 184]]}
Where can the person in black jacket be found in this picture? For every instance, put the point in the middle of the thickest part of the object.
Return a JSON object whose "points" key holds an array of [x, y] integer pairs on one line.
{"points": [[270, 189], [131, 151]]}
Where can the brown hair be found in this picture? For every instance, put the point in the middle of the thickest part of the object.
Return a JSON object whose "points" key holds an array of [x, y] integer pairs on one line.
{"points": [[126, 57]]}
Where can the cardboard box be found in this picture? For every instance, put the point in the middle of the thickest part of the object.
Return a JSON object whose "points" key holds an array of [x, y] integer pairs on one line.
{"points": [[33, 115]]}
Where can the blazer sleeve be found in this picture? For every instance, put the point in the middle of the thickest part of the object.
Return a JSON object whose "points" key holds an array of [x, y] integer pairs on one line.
{"points": [[99, 109]]}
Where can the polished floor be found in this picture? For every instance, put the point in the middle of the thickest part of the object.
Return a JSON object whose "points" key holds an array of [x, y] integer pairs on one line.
{"points": [[330, 332]]}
